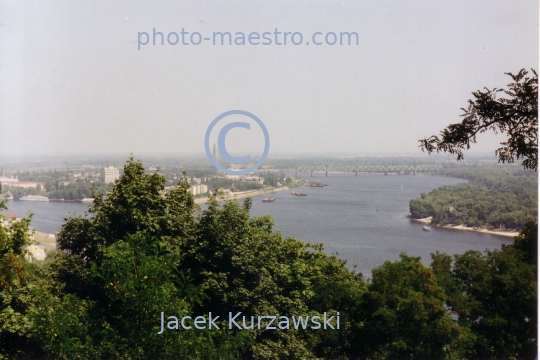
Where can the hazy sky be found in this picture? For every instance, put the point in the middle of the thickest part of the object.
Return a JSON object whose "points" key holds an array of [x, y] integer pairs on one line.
{"points": [[73, 81]]}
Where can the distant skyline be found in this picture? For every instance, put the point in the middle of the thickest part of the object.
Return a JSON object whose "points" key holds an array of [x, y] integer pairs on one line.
{"points": [[73, 82]]}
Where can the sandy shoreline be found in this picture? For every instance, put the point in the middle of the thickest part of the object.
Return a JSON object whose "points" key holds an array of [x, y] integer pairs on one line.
{"points": [[43, 239], [466, 228], [243, 194]]}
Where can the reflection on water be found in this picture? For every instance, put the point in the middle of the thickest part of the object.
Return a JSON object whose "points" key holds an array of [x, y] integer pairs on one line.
{"points": [[361, 218]]}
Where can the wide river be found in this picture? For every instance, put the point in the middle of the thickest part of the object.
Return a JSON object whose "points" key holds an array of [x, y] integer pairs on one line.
{"points": [[363, 218]]}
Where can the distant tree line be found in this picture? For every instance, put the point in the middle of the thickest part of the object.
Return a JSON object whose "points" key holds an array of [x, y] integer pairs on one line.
{"points": [[232, 184], [76, 190], [492, 198]]}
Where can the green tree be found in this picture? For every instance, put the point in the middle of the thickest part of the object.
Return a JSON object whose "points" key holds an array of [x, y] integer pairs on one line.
{"points": [[137, 279], [104, 298], [515, 114], [248, 267], [403, 315], [494, 198], [15, 286], [495, 296], [527, 242], [144, 251]]}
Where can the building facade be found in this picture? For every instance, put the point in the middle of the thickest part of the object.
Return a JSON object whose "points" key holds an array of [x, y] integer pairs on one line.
{"points": [[198, 189], [110, 174]]}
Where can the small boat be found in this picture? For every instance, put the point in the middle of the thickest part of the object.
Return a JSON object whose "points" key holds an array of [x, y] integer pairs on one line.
{"points": [[87, 200], [269, 200], [299, 194], [34, 198], [426, 228]]}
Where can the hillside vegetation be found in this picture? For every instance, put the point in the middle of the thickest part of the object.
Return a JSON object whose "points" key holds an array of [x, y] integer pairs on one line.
{"points": [[128, 276]]}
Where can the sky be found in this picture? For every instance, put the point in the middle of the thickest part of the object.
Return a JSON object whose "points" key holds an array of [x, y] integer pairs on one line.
{"points": [[74, 81]]}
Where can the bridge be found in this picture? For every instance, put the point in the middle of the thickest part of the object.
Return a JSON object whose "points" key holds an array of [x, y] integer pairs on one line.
{"points": [[399, 169]]}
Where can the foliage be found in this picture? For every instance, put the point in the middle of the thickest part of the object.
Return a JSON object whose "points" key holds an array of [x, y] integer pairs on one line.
{"points": [[15, 277], [403, 315], [233, 185], [527, 242], [495, 198], [515, 113], [221, 260], [123, 271], [495, 296], [77, 190], [248, 268], [137, 279], [142, 252], [270, 179]]}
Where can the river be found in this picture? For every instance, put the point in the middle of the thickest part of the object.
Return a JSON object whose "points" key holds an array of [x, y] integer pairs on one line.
{"points": [[363, 218]]}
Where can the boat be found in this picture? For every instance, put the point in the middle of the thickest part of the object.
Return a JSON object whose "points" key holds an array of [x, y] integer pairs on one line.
{"points": [[299, 194], [87, 200], [8, 196], [34, 198], [426, 228], [269, 200]]}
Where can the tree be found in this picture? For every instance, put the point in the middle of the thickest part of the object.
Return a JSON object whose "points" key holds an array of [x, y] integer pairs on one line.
{"points": [[122, 268], [491, 198], [248, 267], [144, 251], [514, 113], [403, 315], [15, 286], [495, 296], [527, 242]]}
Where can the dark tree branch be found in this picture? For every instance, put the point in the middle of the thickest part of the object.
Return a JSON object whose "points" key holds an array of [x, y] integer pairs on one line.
{"points": [[515, 115]]}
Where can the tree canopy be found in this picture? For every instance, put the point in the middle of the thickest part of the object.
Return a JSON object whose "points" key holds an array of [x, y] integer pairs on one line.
{"points": [[494, 295], [493, 198], [15, 287], [515, 113], [141, 252]]}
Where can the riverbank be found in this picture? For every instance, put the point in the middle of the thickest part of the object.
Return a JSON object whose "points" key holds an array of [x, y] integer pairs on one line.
{"points": [[244, 194], [467, 228]]}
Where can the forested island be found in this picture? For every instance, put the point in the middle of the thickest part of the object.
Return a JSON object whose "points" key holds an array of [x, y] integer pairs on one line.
{"points": [[496, 197]]}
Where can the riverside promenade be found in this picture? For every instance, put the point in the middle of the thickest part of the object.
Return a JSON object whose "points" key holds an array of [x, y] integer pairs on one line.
{"points": [[243, 194]]}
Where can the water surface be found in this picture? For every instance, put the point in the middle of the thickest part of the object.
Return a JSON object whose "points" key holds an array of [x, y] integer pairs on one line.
{"points": [[363, 218]]}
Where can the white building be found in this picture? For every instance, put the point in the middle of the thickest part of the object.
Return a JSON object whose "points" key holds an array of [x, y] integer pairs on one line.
{"points": [[198, 189], [6, 180], [35, 253], [23, 184], [110, 174], [194, 189]]}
